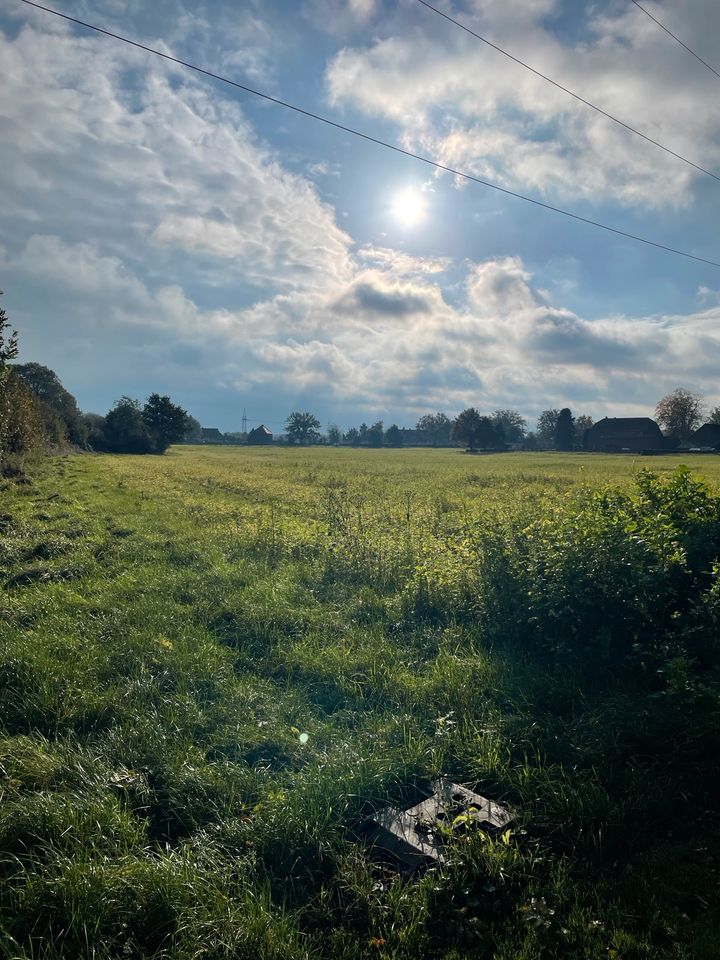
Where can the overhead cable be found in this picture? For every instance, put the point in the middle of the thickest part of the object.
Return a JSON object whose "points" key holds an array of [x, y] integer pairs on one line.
{"points": [[369, 138], [676, 38], [571, 93]]}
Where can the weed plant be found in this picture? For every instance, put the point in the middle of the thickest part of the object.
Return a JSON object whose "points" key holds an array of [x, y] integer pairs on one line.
{"points": [[214, 665]]}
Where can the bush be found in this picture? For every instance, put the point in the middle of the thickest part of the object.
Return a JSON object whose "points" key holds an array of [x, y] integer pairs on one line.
{"points": [[607, 577], [22, 429], [26, 422], [616, 574]]}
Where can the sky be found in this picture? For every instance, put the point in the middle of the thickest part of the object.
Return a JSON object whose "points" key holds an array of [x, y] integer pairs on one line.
{"points": [[163, 231]]}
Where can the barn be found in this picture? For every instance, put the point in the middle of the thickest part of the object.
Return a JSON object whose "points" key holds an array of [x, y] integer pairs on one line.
{"points": [[706, 437], [624, 435], [260, 434], [211, 435]]}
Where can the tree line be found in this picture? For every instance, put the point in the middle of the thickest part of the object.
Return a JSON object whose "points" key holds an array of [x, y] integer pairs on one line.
{"points": [[678, 414], [37, 413], [556, 429]]}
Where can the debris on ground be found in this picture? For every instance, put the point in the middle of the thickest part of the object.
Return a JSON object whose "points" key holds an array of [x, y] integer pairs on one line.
{"points": [[414, 837]]}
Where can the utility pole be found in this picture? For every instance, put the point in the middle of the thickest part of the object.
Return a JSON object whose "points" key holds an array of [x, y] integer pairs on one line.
{"points": [[244, 421]]}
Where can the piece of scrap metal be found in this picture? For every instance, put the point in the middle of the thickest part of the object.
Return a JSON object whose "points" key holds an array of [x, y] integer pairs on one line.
{"points": [[415, 836]]}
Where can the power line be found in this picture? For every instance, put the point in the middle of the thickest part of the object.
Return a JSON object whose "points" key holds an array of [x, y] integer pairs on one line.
{"points": [[370, 139], [571, 93], [671, 34]]}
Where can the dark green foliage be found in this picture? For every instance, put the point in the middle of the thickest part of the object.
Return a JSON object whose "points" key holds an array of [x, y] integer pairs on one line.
{"points": [[302, 427], [626, 580], [125, 429], [393, 436], [511, 424], [435, 428], [128, 428], [564, 430], [166, 422], [46, 386], [8, 341], [374, 434], [334, 434], [93, 429], [476, 432], [580, 425], [26, 424], [192, 431], [546, 428]]}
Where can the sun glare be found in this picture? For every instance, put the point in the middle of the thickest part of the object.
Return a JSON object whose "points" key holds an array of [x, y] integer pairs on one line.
{"points": [[409, 207]]}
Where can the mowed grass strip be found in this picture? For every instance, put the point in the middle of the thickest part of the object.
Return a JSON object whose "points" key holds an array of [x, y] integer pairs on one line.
{"points": [[214, 664]]}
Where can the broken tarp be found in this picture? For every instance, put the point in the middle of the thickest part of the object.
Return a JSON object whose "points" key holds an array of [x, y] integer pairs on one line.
{"points": [[414, 837]]}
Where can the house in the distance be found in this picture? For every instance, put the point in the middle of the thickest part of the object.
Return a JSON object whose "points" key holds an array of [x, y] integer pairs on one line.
{"points": [[260, 434], [706, 437], [211, 435], [624, 435]]}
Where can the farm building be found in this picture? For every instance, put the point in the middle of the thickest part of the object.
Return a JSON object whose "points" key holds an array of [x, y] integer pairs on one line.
{"points": [[706, 437], [624, 434], [260, 434], [211, 435]]}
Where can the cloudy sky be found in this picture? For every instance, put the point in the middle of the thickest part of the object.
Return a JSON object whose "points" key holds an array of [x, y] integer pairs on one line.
{"points": [[163, 231]]}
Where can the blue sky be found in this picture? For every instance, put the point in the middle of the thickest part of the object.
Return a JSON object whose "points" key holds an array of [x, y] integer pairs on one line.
{"points": [[161, 231]]}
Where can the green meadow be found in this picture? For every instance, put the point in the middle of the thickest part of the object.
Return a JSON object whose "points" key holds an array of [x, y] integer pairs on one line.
{"points": [[217, 663]]}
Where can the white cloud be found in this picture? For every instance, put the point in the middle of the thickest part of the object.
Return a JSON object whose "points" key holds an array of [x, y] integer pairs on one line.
{"points": [[402, 263], [135, 199], [394, 344], [464, 104], [101, 143], [340, 17], [389, 343], [78, 268]]}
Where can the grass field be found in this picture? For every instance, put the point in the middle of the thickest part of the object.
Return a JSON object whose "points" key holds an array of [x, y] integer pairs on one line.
{"points": [[214, 664]]}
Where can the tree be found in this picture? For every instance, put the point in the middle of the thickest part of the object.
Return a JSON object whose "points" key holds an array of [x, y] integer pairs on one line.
{"points": [[92, 426], [393, 436], [582, 423], [679, 413], [8, 342], [714, 416], [21, 422], [435, 428], [46, 386], [302, 427], [125, 428], [193, 430], [545, 431], [165, 421], [475, 431], [334, 434], [512, 424], [564, 430], [353, 436], [374, 434]]}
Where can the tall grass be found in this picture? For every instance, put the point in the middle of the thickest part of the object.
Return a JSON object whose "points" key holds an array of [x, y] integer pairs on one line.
{"points": [[544, 628]]}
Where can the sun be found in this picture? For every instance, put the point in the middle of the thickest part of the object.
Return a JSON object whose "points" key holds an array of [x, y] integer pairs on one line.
{"points": [[409, 207]]}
